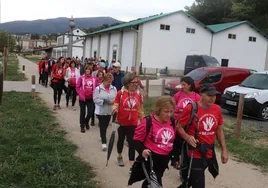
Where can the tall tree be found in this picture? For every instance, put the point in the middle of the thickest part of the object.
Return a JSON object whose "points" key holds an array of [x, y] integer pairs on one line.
{"points": [[6, 39]]}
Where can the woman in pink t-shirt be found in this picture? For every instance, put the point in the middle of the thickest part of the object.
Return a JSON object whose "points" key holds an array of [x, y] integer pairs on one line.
{"points": [[185, 95], [159, 141], [85, 87]]}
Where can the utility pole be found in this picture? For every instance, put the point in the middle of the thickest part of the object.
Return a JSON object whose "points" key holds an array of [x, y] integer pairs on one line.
{"points": [[70, 44]]}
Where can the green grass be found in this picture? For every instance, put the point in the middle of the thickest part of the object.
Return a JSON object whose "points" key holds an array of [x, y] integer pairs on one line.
{"points": [[13, 73], [33, 58], [252, 147], [33, 151]]}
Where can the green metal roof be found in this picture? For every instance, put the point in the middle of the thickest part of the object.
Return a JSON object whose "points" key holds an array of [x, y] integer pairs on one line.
{"points": [[222, 27], [143, 20]]}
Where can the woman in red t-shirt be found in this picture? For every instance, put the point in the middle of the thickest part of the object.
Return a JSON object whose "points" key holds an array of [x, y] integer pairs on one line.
{"points": [[56, 82], [159, 140], [72, 75], [129, 107]]}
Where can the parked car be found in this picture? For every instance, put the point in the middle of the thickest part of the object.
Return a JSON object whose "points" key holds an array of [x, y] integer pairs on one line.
{"points": [[196, 61], [255, 88], [220, 77]]}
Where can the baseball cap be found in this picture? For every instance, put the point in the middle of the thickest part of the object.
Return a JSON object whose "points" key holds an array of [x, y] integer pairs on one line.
{"points": [[209, 89], [117, 64]]}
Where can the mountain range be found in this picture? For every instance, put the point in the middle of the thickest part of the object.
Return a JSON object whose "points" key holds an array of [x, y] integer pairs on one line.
{"points": [[55, 25]]}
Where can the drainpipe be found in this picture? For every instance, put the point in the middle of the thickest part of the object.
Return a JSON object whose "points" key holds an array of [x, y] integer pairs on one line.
{"points": [[135, 54], [211, 45]]}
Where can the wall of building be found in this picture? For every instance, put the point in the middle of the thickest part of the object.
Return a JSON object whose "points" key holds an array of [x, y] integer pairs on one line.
{"points": [[240, 51], [161, 48]]}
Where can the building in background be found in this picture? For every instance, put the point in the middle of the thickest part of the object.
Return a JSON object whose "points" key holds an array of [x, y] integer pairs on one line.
{"points": [[165, 40], [62, 44]]}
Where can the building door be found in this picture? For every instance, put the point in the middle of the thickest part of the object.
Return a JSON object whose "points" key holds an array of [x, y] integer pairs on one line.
{"points": [[224, 62]]}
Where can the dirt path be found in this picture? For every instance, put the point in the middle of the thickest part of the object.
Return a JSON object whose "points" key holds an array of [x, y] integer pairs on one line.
{"points": [[232, 175]]}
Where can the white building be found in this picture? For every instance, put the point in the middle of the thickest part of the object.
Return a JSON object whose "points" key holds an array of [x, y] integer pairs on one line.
{"points": [[62, 44], [240, 44], [165, 40]]}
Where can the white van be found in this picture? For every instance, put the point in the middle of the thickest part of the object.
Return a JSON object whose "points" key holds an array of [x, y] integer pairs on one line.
{"points": [[255, 88]]}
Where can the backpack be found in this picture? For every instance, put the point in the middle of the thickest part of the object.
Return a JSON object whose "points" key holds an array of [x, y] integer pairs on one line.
{"points": [[149, 124]]}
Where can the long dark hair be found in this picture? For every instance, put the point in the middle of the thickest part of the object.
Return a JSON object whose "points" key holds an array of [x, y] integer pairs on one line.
{"points": [[188, 80]]}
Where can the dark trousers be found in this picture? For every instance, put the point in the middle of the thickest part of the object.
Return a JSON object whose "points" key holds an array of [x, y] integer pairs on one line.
{"points": [[160, 163], [93, 115], [40, 78], [57, 92], [197, 176], [123, 132], [45, 78], [84, 119], [71, 92], [104, 123]]}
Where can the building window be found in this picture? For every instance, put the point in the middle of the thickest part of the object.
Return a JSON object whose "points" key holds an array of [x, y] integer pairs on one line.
{"points": [[77, 31], [77, 38], [252, 39], [190, 30], [114, 54], [232, 36], [164, 27], [167, 27]]}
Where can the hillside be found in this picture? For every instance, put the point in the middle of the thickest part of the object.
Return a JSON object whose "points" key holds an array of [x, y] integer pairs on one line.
{"points": [[56, 25]]}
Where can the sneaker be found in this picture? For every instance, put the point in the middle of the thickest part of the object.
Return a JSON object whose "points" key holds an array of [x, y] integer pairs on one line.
{"points": [[55, 107], [87, 126], [74, 109], [104, 147], [120, 161], [83, 130], [59, 106], [130, 170]]}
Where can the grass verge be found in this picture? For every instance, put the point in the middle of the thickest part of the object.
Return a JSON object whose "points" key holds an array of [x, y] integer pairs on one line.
{"points": [[13, 73], [34, 59], [251, 148], [33, 152]]}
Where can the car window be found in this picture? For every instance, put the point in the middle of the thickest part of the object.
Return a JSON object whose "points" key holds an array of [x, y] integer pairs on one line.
{"points": [[197, 74], [211, 61], [258, 81], [212, 78]]}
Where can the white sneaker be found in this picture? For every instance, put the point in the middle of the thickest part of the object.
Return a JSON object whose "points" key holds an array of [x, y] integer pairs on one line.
{"points": [[104, 147]]}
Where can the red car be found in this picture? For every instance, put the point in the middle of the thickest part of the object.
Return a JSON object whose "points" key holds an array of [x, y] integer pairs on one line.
{"points": [[220, 77]]}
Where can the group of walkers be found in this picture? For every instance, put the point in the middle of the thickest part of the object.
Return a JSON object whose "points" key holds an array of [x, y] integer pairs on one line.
{"points": [[181, 129]]}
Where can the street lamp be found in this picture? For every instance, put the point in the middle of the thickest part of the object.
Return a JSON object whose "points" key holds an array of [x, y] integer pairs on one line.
{"points": [[70, 45]]}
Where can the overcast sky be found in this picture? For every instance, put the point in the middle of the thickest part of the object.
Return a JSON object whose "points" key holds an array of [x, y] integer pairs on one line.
{"points": [[124, 10]]}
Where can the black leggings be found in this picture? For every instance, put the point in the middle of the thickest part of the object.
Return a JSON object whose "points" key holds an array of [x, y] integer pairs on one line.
{"points": [[104, 123], [197, 176], [123, 132], [57, 91], [45, 78], [84, 120], [71, 92], [160, 163]]}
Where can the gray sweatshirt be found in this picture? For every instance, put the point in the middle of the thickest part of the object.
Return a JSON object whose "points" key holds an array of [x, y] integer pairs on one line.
{"points": [[100, 93]]}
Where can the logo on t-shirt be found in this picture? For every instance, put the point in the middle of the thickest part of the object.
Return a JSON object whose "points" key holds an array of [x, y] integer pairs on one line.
{"points": [[59, 71], [131, 102], [72, 74], [184, 102], [163, 138], [207, 124], [89, 83]]}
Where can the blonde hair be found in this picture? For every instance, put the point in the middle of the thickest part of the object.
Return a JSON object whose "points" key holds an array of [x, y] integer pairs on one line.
{"points": [[109, 76], [162, 102]]}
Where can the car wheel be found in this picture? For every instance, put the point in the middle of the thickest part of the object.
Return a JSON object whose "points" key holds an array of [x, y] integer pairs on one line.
{"points": [[263, 114]]}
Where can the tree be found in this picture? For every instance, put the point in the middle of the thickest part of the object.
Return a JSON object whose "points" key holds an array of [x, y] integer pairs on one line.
{"points": [[18, 48], [35, 37], [221, 11], [6, 39]]}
